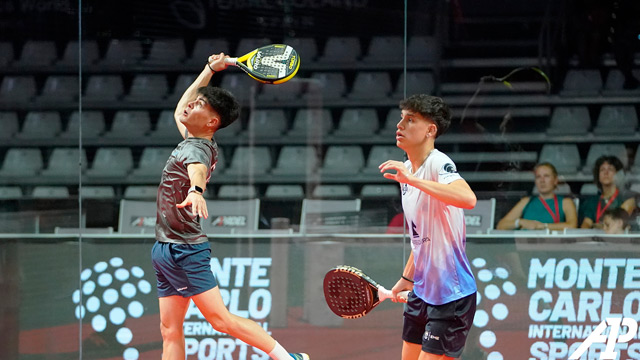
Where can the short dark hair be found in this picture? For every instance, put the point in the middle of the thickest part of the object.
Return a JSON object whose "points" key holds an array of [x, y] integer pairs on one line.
{"points": [[605, 159], [431, 107], [618, 214], [223, 102]]}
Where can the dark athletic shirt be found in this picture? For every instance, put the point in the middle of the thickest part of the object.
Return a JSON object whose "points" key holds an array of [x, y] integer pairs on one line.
{"points": [[179, 225]]}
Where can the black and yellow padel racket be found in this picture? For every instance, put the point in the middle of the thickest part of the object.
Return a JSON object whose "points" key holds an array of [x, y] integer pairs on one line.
{"points": [[271, 64]]}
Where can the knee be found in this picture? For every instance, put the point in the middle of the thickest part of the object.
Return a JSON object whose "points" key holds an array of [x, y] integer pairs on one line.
{"points": [[222, 323], [171, 333]]}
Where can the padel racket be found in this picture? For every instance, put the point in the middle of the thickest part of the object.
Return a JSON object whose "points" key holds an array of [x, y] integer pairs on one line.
{"points": [[271, 64], [352, 294]]}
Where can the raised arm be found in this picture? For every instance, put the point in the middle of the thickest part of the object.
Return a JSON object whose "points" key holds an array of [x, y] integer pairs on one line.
{"points": [[215, 63]]}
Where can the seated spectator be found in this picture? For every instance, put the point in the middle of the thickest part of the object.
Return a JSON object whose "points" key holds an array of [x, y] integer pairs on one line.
{"points": [[615, 221], [545, 211], [609, 196]]}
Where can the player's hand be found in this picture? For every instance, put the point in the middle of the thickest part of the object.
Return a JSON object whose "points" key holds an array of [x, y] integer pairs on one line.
{"points": [[401, 285], [198, 204], [216, 61], [402, 174]]}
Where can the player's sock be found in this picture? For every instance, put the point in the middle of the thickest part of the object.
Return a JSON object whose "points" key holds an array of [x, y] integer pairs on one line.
{"points": [[279, 353]]}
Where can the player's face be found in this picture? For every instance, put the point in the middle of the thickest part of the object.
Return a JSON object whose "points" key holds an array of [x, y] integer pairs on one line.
{"points": [[546, 181], [413, 130], [197, 115], [607, 174]]}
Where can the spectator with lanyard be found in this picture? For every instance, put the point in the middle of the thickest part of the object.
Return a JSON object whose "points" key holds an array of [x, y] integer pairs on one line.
{"points": [[545, 211], [609, 196]]}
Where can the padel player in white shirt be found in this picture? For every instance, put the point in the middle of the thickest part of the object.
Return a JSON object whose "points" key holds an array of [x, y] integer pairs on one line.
{"points": [[442, 304]]}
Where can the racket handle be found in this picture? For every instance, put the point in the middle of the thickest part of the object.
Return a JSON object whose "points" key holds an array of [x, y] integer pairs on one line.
{"points": [[231, 61], [384, 294]]}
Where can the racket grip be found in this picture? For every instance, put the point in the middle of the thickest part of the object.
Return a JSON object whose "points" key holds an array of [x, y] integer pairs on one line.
{"points": [[231, 61], [384, 294]]}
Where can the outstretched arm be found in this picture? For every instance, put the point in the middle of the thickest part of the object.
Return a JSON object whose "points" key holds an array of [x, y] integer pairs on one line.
{"points": [[458, 193], [215, 63]]}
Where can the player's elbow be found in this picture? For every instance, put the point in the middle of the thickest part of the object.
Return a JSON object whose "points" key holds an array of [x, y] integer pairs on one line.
{"points": [[469, 201]]}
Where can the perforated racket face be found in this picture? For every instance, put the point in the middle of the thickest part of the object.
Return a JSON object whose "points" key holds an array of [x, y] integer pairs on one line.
{"points": [[273, 64], [347, 294]]}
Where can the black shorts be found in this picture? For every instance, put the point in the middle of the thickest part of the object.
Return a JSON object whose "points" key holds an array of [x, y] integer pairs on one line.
{"points": [[441, 329], [183, 269]]}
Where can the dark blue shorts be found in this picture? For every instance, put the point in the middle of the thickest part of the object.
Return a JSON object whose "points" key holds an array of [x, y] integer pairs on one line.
{"points": [[441, 329], [182, 269]]}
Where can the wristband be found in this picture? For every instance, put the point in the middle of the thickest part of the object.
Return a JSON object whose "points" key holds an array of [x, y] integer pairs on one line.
{"points": [[517, 223], [196, 188], [210, 68], [409, 280]]}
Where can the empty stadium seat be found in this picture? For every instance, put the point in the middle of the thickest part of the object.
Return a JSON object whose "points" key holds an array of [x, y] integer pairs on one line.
{"points": [[332, 191], [10, 125], [306, 47], [266, 123], [21, 162], [564, 157], [287, 91], [63, 163], [380, 191], [182, 83], [152, 161], [614, 83], [240, 85], [111, 162], [588, 189], [10, 192], [70, 57], [104, 88], [581, 83], [416, 82], [569, 120], [237, 192], [6, 53], [141, 192], [166, 127], [341, 51], [50, 192], [598, 150], [326, 86], [311, 123], [248, 160], [60, 89], [358, 123], [284, 192], [423, 51], [390, 125], [247, 44], [380, 154], [97, 192], [296, 161], [37, 53], [129, 123], [147, 88], [40, 125], [230, 132], [371, 86], [92, 125], [343, 160], [122, 53], [616, 120], [17, 89], [385, 51], [166, 52], [203, 48]]}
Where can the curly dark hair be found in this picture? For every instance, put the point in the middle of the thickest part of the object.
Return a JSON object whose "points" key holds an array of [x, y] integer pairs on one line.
{"points": [[431, 107], [609, 159], [223, 102]]}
